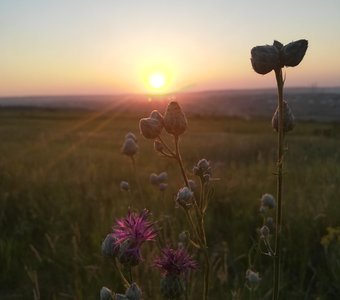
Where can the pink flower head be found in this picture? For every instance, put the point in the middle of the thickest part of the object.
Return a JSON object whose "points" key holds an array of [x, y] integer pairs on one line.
{"points": [[131, 232], [174, 262]]}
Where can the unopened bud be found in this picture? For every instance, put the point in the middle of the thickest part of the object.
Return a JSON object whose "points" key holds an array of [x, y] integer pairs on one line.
{"points": [[109, 248], [253, 277], [184, 197], [154, 179], [183, 237], [162, 177], [270, 222], [192, 184], [133, 292], [264, 231], [150, 128], [155, 114], [288, 118], [124, 186], [130, 135], [268, 200], [265, 59], [105, 294], [120, 297], [163, 186], [130, 148], [174, 120], [293, 53]]}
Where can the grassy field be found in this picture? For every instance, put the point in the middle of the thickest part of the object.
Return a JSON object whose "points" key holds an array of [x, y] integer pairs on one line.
{"points": [[59, 196]]}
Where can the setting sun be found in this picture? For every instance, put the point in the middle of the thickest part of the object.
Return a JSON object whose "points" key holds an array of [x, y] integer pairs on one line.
{"points": [[157, 80]]}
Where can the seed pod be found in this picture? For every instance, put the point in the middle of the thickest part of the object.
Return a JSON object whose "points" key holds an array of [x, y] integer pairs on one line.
{"points": [[155, 114], [174, 120], [268, 200], [134, 292], [293, 53], [265, 59], [163, 186], [150, 128], [130, 148], [288, 119], [171, 287], [105, 294], [162, 177]]}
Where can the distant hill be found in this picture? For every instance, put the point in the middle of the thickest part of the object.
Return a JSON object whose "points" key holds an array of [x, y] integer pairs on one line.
{"points": [[318, 104]]}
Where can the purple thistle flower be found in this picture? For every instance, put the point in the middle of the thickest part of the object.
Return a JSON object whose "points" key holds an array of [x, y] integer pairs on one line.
{"points": [[174, 262], [130, 233]]}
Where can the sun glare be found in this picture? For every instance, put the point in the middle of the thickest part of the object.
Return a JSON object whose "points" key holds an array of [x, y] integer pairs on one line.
{"points": [[157, 80]]}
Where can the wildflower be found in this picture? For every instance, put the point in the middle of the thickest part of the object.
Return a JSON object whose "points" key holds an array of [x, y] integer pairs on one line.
{"points": [[124, 186], [130, 135], [253, 278], [109, 246], [268, 201], [203, 170], [130, 233], [133, 292], [288, 118], [175, 262], [105, 294], [162, 177], [130, 147], [184, 197], [154, 178], [174, 120]]}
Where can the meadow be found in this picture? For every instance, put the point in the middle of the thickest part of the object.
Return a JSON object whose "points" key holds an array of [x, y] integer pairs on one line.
{"points": [[60, 172]]}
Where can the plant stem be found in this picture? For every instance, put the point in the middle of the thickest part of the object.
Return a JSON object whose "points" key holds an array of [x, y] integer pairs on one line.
{"points": [[179, 160], [125, 281], [279, 182]]}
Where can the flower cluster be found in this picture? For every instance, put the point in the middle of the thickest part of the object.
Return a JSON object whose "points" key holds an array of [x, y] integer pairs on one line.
{"points": [[129, 233]]}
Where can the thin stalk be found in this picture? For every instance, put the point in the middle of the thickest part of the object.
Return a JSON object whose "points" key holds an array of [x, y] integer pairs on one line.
{"points": [[125, 281], [279, 182], [179, 160]]}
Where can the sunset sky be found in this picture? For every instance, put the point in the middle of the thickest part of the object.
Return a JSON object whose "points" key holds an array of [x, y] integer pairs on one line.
{"points": [[113, 46]]}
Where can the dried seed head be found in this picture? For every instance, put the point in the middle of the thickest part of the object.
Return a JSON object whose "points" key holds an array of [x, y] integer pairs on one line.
{"points": [[268, 201], [252, 277], [150, 128], [130, 147], [172, 287], [265, 58], [288, 118], [105, 294], [134, 292], [124, 186], [174, 120], [184, 197], [130, 135], [293, 53], [154, 179]]}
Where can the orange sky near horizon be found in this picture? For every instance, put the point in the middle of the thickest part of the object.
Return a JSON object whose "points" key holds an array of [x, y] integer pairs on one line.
{"points": [[113, 47]]}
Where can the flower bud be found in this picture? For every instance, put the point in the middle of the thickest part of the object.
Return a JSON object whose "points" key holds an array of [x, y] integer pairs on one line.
{"points": [[270, 222], [184, 197], [268, 200], [130, 148], [171, 287], [253, 277], [130, 135], [192, 184], [183, 237], [109, 246], [150, 128], [203, 165], [120, 297], [265, 59], [293, 53], [124, 186], [174, 120], [162, 177], [288, 118], [163, 186], [154, 179], [127, 256], [133, 292], [155, 114], [105, 294]]}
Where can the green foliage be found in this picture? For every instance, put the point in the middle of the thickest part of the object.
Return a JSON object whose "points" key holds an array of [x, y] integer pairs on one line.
{"points": [[59, 195]]}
